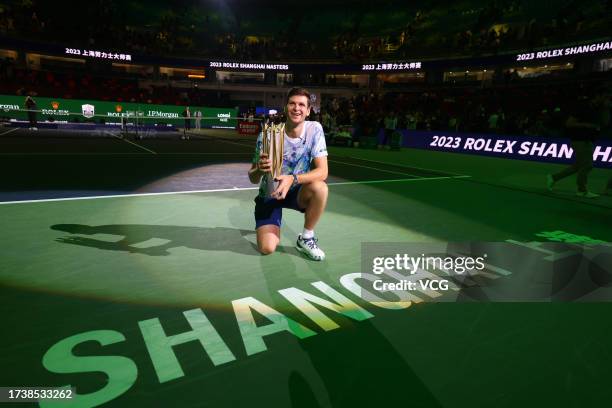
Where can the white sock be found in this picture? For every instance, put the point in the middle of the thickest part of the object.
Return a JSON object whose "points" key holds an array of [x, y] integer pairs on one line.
{"points": [[306, 234]]}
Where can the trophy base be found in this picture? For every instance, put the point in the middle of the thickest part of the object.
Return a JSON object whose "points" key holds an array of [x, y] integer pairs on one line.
{"points": [[271, 186]]}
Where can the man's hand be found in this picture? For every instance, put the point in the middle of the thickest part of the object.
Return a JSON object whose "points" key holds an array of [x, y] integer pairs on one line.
{"points": [[264, 164], [284, 185]]}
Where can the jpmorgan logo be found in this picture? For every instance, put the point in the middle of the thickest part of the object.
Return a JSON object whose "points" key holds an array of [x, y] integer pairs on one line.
{"points": [[7, 108], [160, 114]]}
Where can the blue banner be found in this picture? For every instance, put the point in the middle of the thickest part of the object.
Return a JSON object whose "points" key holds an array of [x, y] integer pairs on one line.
{"points": [[534, 148]]}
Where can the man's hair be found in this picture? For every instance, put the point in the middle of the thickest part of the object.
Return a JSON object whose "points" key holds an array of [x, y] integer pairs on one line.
{"points": [[299, 91]]}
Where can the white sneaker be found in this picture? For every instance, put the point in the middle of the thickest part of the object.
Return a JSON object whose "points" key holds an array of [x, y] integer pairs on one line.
{"points": [[587, 194], [310, 248]]}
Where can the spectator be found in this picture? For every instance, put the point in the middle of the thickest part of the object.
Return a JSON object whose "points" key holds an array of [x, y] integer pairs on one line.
{"points": [[582, 129], [390, 123], [32, 108], [187, 127], [198, 119]]}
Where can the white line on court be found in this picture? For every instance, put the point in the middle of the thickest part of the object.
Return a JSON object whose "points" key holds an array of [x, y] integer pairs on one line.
{"points": [[132, 143], [346, 183], [9, 131], [125, 154], [399, 165], [373, 168], [341, 183], [129, 195]]}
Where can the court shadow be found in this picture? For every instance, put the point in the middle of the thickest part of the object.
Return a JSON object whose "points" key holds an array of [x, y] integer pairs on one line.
{"points": [[300, 392], [353, 366], [360, 367], [356, 365], [156, 240]]}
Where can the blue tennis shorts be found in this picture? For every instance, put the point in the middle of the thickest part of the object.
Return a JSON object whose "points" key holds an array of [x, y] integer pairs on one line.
{"points": [[269, 211]]}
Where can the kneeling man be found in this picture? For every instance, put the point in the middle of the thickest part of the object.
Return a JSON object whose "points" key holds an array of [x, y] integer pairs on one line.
{"points": [[301, 184]]}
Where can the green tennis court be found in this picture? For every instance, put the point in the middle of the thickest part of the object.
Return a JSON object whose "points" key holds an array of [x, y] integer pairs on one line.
{"points": [[105, 241]]}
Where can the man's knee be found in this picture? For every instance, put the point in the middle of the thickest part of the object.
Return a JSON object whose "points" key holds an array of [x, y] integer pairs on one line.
{"points": [[268, 237], [267, 248], [319, 188]]}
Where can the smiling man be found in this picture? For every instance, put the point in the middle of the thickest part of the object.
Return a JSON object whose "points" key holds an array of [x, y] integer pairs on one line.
{"points": [[301, 185]]}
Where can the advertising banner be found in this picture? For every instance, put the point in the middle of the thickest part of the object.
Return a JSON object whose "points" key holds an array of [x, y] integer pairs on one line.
{"points": [[78, 110], [534, 148], [219, 118], [249, 128]]}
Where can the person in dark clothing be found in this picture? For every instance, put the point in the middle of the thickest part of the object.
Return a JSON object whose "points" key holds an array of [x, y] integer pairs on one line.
{"points": [[187, 116], [582, 128], [30, 105], [390, 123], [608, 190]]}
